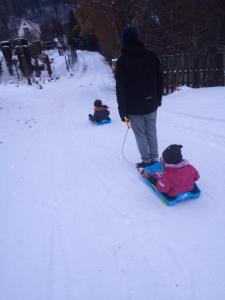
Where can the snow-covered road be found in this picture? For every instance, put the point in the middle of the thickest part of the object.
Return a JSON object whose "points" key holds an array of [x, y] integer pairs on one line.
{"points": [[78, 223]]}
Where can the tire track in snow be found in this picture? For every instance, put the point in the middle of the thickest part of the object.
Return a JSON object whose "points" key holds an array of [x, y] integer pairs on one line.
{"points": [[59, 269], [199, 129], [128, 222], [192, 116]]}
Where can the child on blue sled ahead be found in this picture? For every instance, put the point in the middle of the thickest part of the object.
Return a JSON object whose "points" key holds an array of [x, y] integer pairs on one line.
{"points": [[101, 112], [178, 176]]}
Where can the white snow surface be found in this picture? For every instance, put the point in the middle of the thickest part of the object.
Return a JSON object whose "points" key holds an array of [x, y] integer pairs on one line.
{"points": [[77, 222]]}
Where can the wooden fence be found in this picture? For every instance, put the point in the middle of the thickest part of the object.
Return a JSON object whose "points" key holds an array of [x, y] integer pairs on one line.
{"points": [[206, 69]]}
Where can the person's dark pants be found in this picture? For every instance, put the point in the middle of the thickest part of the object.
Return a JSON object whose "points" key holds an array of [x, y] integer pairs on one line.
{"points": [[144, 128]]}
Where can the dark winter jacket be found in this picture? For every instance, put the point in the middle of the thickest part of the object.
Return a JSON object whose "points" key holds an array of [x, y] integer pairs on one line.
{"points": [[138, 81], [101, 113]]}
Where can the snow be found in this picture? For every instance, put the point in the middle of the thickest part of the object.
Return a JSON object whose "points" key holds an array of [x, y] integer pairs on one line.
{"points": [[77, 221]]}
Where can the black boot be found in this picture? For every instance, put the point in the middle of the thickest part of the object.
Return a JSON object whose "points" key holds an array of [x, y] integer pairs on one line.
{"points": [[144, 164]]}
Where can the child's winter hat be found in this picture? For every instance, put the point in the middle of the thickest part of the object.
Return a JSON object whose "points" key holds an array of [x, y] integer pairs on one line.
{"points": [[98, 103], [172, 154]]}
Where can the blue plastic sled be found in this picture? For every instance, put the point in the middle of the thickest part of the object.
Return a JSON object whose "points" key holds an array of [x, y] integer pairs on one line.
{"points": [[105, 121], [158, 168]]}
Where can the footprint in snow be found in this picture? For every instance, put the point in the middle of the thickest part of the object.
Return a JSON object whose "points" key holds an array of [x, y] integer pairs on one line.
{"points": [[30, 122]]}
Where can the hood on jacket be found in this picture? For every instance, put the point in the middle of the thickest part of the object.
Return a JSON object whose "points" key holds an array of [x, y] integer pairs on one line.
{"points": [[132, 46], [137, 50], [182, 164]]}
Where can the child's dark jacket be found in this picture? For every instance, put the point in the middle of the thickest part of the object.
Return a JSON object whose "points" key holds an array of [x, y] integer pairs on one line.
{"points": [[101, 113]]}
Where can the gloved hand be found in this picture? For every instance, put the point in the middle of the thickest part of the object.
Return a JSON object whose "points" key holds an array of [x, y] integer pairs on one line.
{"points": [[144, 173], [127, 121], [152, 179], [141, 171], [123, 118], [91, 117]]}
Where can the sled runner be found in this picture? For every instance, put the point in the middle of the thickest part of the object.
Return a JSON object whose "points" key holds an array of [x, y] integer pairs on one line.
{"points": [[158, 168]]}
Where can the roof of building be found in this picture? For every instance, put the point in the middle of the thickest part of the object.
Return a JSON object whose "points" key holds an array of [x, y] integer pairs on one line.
{"points": [[33, 25]]}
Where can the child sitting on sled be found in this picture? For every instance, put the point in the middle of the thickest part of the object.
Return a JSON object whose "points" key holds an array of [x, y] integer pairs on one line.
{"points": [[178, 176], [101, 112]]}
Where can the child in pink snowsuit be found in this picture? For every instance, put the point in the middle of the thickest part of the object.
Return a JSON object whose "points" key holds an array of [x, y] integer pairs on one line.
{"points": [[178, 176]]}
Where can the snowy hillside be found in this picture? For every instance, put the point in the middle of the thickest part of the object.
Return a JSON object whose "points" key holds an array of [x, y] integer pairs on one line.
{"points": [[76, 220]]}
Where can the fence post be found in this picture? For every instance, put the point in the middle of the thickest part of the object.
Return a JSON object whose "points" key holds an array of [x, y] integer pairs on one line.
{"points": [[67, 65], [182, 69], [171, 73], [188, 70], [166, 74]]}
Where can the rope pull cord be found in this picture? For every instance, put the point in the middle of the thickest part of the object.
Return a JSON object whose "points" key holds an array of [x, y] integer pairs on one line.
{"points": [[124, 141]]}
